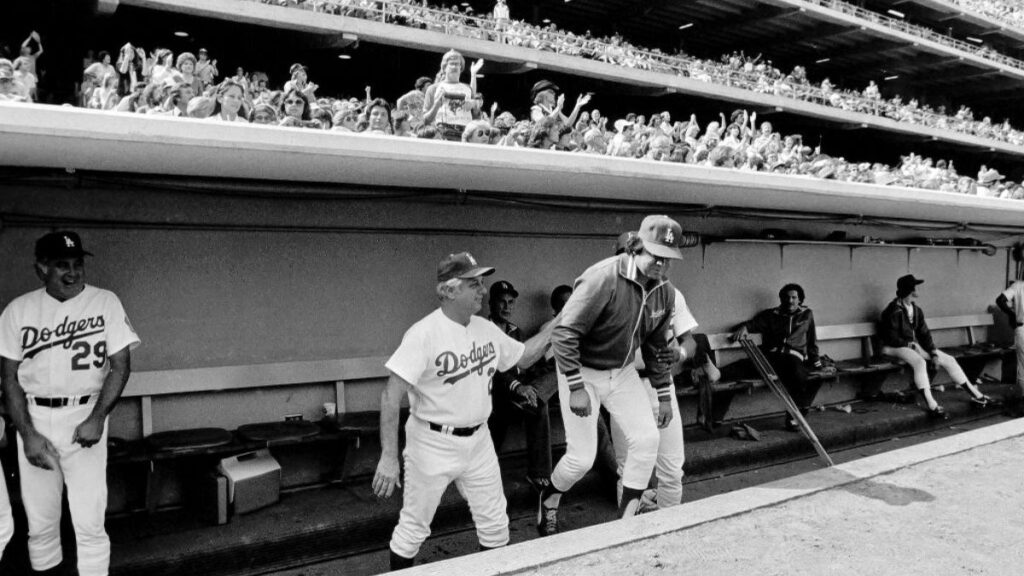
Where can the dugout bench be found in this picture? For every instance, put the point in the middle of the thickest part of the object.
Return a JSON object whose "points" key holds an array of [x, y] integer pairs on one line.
{"points": [[718, 396], [165, 446]]}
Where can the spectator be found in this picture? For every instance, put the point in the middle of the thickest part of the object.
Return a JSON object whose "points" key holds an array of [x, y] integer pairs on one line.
{"points": [[228, 107], [295, 108], [378, 116], [101, 68], [186, 66], [448, 103], [300, 81], [547, 101], [412, 102], [206, 69], [10, 90], [105, 97], [25, 64], [264, 113]]}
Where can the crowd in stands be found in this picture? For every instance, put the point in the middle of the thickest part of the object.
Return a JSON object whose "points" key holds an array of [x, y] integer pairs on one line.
{"points": [[159, 82], [735, 70], [1006, 11]]}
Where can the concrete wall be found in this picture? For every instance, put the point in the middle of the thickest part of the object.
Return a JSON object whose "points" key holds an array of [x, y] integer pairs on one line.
{"points": [[223, 275]]}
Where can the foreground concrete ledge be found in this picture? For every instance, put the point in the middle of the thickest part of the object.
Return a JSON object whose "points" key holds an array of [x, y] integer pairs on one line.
{"points": [[543, 551]]}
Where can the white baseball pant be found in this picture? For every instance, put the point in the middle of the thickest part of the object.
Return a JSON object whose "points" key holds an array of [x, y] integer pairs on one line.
{"points": [[916, 360], [668, 467], [621, 392], [84, 470], [6, 518], [433, 460]]}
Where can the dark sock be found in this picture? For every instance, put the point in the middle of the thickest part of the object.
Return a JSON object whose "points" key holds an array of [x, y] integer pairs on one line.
{"points": [[628, 495], [486, 548], [551, 496], [400, 562]]}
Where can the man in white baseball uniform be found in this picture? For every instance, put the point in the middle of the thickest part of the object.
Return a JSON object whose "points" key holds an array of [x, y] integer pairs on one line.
{"points": [[619, 306], [445, 363], [65, 360], [1011, 302], [6, 518]]}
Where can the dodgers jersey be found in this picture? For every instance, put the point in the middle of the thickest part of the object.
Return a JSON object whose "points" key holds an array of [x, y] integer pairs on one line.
{"points": [[450, 367], [63, 346]]}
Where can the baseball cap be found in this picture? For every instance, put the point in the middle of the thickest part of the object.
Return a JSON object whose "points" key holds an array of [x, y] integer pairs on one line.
{"points": [[503, 287], [542, 86], [906, 284], [296, 67], [623, 241], [661, 236], [461, 265], [57, 245]]}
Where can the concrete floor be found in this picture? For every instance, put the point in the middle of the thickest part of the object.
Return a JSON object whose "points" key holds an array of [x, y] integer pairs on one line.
{"points": [[960, 514]]}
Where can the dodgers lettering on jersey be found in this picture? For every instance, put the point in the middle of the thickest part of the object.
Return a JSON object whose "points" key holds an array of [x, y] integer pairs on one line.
{"points": [[63, 346], [450, 367]]}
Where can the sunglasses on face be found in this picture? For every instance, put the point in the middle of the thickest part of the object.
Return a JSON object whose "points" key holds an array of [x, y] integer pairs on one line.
{"points": [[481, 133], [294, 102]]}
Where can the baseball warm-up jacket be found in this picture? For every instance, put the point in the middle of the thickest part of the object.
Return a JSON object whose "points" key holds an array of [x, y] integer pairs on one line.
{"points": [[610, 316], [895, 329], [787, 333]]}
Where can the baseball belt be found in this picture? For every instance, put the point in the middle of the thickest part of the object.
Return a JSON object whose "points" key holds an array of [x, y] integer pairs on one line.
{"points": [[60, 401], [444, 429]]}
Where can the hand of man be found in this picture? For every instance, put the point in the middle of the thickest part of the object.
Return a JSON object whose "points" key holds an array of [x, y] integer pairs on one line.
{"points": [[579, 403], [386, 479], [89, 432], [664, 412], [582, 101], [739, 334], [528, 393], [475, 68], [40, 452]]}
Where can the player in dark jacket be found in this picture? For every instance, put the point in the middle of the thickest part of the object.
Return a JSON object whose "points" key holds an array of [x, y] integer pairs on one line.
{"points": [[904, 334], [790, 344]]}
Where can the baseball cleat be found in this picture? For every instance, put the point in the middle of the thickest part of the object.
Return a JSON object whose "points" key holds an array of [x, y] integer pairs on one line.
{"points": [[648, 502], [632, 508], [547, 518]]}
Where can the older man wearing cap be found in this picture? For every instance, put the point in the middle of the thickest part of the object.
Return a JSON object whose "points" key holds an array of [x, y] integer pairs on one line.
{"points": [[904, 334], [445, 363], [515, 398], [66, 357], [619, 306], [547, 101]]}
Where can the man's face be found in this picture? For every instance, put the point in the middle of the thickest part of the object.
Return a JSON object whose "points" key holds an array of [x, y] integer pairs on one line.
{"points": [[263, 117], [187, 93], [502, 306], [651, 266], [468, 296], [547, 98], [64, 278], [790, 301]]}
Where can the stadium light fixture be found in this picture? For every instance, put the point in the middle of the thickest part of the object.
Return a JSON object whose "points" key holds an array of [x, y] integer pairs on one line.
{"points": [[546, 21], [181, 34], [344, 57], [973, 39], [896, 13], [685, 26], [822, 61], [893, 77]]}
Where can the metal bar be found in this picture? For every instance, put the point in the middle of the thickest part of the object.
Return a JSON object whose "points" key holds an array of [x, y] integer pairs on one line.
{"points": [[772, 380]]}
